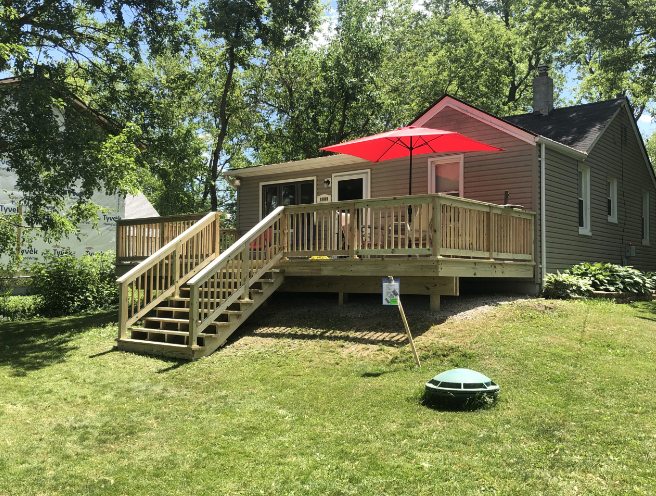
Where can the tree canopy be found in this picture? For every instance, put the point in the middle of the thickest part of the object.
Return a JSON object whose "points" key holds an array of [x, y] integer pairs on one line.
{"points": [[191, 88]]}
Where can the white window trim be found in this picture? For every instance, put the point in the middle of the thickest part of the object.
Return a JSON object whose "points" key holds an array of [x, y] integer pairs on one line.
{"points": [[445, 159], [645, 213], [586, 230], [294, 180], [365, 174], [613, 199]]}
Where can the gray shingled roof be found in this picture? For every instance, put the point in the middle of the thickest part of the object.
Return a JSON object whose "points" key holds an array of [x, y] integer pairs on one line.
{"points": [[576, 126]]}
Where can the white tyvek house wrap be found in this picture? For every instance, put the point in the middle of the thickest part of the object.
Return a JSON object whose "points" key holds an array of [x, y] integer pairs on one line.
{"points": [[91, 241]]}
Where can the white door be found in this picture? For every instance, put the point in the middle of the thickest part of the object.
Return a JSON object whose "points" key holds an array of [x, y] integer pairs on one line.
{"points": [[348, 186]]}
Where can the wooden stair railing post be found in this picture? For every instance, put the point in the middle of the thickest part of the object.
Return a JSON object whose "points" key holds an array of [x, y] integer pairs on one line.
{"points": [[217, 235], [437, 226], [123, 310], [285, 230], [193, 316], [245, 265], [175, 269]]}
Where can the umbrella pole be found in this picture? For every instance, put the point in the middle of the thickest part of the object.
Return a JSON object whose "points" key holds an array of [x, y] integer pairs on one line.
{"points": [[409, 219]]}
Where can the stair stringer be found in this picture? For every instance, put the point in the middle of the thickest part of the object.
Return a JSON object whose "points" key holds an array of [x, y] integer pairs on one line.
{"points": [[224, 332]]}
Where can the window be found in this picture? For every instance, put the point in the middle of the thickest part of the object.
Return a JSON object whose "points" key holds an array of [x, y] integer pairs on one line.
{"points": [[584, 200], [445, 175], [287, 193], [645, 217], [611, 199]]}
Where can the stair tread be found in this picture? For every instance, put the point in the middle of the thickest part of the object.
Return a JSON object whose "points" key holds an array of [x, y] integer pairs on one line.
{"points": [[156, 343], [166, 319], [166, 331]]}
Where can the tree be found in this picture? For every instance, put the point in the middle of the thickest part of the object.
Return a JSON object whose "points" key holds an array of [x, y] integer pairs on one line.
{"points": [[240, 35], [48, 137], [613, 49], [317, 95]]}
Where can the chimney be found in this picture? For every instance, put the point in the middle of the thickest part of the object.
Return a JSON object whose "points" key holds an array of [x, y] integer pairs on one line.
{"points": [[543, 89]]}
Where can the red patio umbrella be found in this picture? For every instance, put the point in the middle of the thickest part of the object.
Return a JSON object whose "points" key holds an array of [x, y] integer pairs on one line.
{"points": [[409, 141]]}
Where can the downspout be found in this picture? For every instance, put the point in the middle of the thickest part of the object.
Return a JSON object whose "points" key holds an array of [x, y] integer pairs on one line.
{"points": [[543, 220]]}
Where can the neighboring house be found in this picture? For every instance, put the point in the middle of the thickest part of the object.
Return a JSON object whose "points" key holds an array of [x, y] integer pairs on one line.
{"points": [[91, 240], [600, 189], [342, 224]]}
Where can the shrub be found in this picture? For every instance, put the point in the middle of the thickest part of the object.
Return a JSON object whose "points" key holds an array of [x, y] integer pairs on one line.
{"points": [[613, 278], [564, 286], [18, 307], [67, 285]]}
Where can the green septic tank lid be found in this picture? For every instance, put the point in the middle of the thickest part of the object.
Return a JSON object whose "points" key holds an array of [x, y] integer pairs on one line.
{"points": [[461, 383], [461, 375]]}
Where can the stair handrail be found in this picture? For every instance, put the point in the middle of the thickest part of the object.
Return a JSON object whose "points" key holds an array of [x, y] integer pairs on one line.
{"points": [[180, 270], [262, 244]]}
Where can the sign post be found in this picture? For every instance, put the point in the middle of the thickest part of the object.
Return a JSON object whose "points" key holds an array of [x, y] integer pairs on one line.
{"points": [[392, 297]]}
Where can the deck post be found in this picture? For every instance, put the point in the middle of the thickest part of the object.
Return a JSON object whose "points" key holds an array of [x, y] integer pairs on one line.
{"points": [[122, 310], [217, 234], [437, 226], [342, 298], [193, 316], [492, 235], [162, 235], [434, 303], [352, 230]]}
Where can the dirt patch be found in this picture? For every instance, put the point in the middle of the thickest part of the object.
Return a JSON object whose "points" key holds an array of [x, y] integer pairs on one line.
{"points": [[359, 327]]}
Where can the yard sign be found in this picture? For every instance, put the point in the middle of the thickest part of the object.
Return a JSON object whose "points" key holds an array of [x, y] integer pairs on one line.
{"points": [[392, 297]]}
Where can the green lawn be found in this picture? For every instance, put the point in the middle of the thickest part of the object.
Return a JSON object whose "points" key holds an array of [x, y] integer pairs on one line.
{"points": [[320, 399]]}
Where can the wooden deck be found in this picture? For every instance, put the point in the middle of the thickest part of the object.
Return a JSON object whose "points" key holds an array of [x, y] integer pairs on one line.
{"points": [[195, 284]]}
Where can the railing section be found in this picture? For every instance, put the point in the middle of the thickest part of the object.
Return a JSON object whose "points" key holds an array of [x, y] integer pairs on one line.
{"points": [[227, 238], [137, 239], [437, 225], [162, 274], [229, 276]]}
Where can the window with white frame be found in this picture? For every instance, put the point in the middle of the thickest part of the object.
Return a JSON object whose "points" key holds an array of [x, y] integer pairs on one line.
{"points": [[584, 200], [645, 217], [611, 199], [445, 175]]}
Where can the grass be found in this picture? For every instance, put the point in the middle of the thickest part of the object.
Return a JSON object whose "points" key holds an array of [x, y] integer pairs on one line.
{"points": [[318, 399]]}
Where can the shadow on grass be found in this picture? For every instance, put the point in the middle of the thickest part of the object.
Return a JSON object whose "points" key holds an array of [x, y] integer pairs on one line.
{"points": [[174, 364], [34, 344], [647, 309], [316, 316]]}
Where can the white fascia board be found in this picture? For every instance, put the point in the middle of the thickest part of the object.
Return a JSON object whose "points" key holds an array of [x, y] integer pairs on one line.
{"points": [[295, 166], [476, 114], [559, 147]]}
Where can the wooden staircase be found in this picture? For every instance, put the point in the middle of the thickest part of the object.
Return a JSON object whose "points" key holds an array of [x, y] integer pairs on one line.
{"points": [[185, 302], [166, 333]]}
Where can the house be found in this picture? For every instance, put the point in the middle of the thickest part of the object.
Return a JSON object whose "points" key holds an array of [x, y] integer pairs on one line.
{"points": [[89, 240], [572, 184]]}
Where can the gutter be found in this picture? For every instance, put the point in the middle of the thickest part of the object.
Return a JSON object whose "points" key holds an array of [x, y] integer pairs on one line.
{"points": [[543, 219], [559, 147]]}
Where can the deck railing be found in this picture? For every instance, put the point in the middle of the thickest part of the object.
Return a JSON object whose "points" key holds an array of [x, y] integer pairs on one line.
{"points": [[223, 281], [162, 274], [137, 239], [436, 225]]}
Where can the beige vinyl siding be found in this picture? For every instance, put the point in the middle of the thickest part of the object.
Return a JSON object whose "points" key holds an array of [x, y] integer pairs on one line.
{"points": [[388, 178], [565, 246], [486, 174]]}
